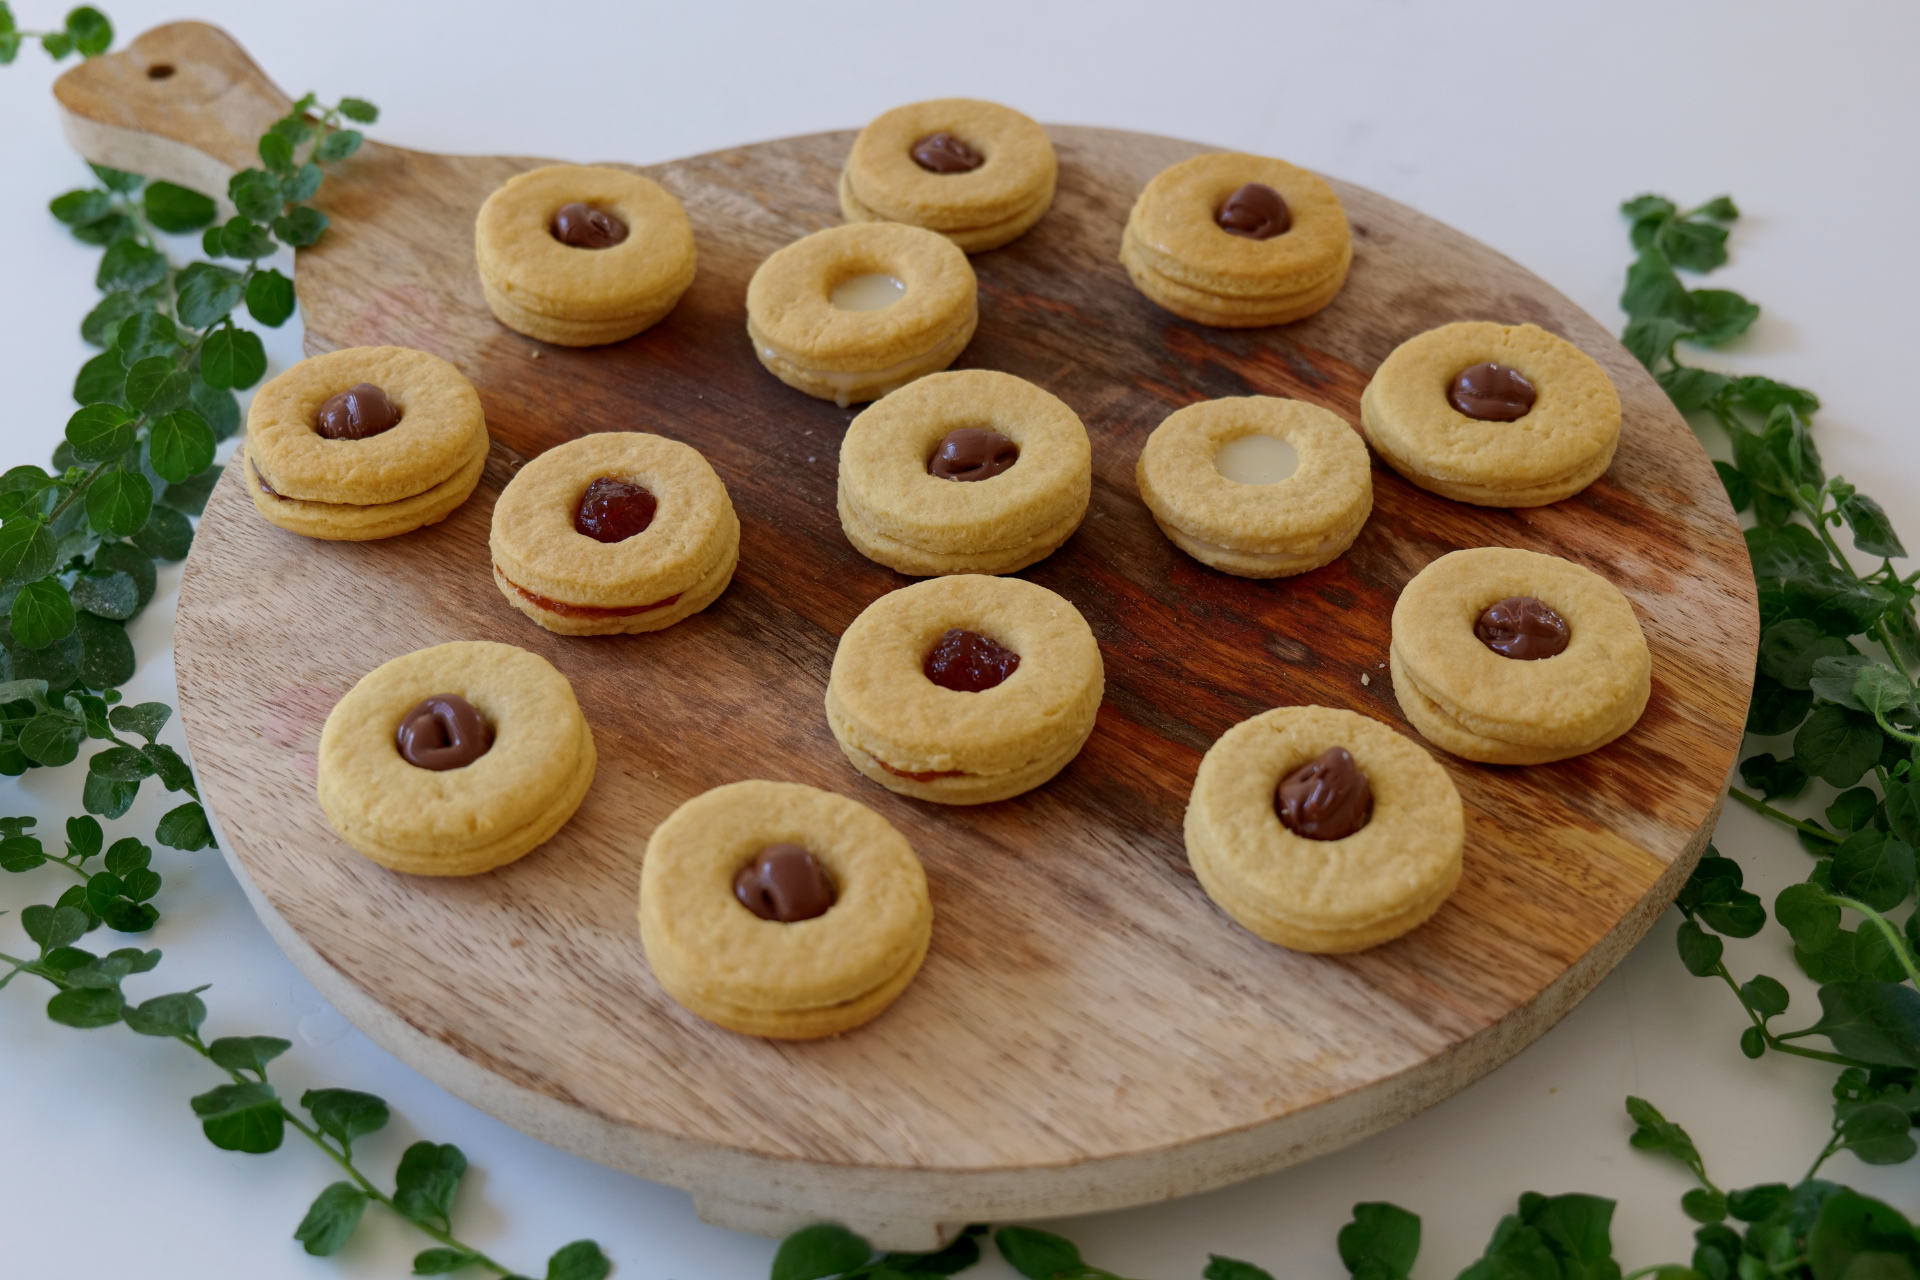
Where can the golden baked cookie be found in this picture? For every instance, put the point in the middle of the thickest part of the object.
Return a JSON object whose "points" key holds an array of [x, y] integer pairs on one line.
{"points": [[1238, 241], [614, 533], [850, 313], [1500, 415], [1514, 657], [1212, 481], [456, 759], [779, 910], [580, 255], [1323, 830], [965, 689], [978, 173], [363, 443], [970, 471]]}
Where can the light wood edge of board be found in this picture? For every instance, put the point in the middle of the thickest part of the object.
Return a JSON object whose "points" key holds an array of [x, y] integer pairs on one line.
{"points": [[915, 1210], [182, 103]]}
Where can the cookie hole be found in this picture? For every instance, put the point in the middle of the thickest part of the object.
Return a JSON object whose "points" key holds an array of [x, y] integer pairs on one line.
{"points": [[1256, 459], [972, 453], [785, 883], [869, 291], [968, 662], [161, 71]]}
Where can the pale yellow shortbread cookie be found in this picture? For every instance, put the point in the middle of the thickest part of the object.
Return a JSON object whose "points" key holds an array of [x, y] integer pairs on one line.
{"points": [[1323, 895], [1559, 447], [1480, 705], [479, 816], [850, 356], [570, 296], [912, 736], [1265, 530], [896, 512], [573, 584], [1180, 257], [979, 209], [798, 980]]}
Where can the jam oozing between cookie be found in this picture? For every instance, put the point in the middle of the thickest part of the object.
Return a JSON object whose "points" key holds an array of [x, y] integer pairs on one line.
{"points": [[443, 732], [582, 226], [943, 153], [968, 662], [1255, 211], [784, 883], [360, 411], [614, 510], [1523, 627], [1491, 392], [972, 453], [1327, 798]]}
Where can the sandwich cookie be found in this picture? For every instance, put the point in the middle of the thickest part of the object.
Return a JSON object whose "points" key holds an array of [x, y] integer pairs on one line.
{"points": [[1237, 241], [779, 910], [851, 313], [965, 690], [1513, 657], [614, 533], [978, 173], [1498, 415], [364, 443], [970, 471], [454, 760], [1322, 830], [580, 255], [1257, 486]]}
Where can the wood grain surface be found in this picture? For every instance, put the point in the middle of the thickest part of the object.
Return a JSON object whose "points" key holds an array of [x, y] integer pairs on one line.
{"points": [[1089, 1030]]}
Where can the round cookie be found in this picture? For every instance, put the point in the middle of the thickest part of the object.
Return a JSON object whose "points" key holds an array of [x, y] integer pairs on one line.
{"points": [[576, 584], [795, 979], [948, 744], [390, 481], [1556, 448], [992, 177], [1314, 894], [1181, 256], [1468, 699], [1288, 526], [468, 819], [897, 512], [808, 339], [570, 294]]}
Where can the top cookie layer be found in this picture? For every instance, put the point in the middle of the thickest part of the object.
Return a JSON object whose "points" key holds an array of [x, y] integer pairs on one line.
{"points": [[519, 256], [1018, 165], [536, 546], [790, 298], [440, 426], [1573, 425], [1172, 228]]}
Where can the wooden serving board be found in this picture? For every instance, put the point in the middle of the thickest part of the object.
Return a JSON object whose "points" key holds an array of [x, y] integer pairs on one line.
{"points": [[1089, 1031]]}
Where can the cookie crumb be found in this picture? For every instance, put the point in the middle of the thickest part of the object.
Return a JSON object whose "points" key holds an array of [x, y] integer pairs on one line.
{"points": [[534, 353], [1365, 678]]}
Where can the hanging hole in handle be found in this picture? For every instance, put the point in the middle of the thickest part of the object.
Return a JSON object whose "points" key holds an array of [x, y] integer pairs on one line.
{"points": [[160, 71]]}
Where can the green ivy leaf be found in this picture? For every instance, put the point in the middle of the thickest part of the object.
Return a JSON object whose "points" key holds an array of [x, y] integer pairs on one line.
{"points": [[181, 445], [101, 380], [821, 1250], [108, 797], [1875, 868], [276, 152], [120, 558], [167, 535], [330, 1221], [1837, 745], [1381, 1243], [107, 595], [1220, 1267], [425, 1183], [1766, 996], [359, 110], [146, 333], [243, 238], [270, 298], [178, 1014], [337, 145], [1038, 1255], [1878, 1133], [346, 1114], [176, 209], [99, 432], [255, 194], [156, 385], [1876, 1022], [241, 1117], [42, 613], [86, 1008], [119, 502], [207, 293], [232, 358], [1654, 290], [246, 1053], [580, 1260], [1720, 315], [300, 226], [51, 739], [27, 551], [440, 1262], [185, 827], [82, 207], [128, 264], [89, 31], [1703, 1205]]}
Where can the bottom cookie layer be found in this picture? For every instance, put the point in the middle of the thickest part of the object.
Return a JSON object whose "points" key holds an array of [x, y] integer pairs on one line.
{"points": [[589, 621], [922, 563], [502, 849], [970, 239], [564, 332], [958, 788], [845, 387], [797, 1024], [344, 522], [1223, 312], [1443, 730], [1250, 564]]}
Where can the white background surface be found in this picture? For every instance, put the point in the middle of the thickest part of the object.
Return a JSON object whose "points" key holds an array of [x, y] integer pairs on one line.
{"points": [[1522, 124]]}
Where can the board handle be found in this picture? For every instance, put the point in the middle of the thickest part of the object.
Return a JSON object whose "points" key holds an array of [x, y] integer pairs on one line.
{"points": [[183, 103]]}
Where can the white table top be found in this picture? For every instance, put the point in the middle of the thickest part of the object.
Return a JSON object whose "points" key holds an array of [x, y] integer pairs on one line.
{"points": [[1521, 124]]}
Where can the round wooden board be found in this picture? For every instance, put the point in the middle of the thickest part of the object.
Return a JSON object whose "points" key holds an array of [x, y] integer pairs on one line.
{"points": [[1089, 1030]]}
